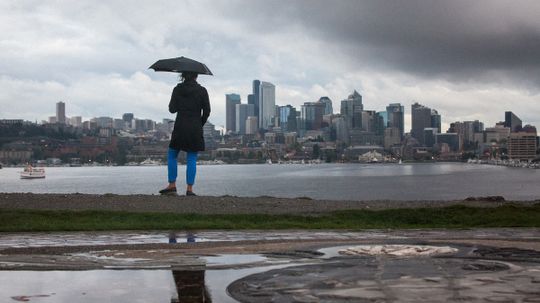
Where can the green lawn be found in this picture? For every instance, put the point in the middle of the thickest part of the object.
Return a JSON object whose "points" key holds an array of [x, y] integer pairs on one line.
{"points": [[449, 217]]}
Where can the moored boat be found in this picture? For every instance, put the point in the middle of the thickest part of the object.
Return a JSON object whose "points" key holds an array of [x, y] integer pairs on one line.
{"points": [[30, 172]]}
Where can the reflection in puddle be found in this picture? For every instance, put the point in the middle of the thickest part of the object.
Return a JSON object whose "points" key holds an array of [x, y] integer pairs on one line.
{"points": [[233, 259], [88, 286], [132, 285], [104, 286]]}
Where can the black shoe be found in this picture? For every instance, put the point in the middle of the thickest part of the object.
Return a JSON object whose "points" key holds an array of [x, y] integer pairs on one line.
{"points": [[168, 191], [190, 193]]}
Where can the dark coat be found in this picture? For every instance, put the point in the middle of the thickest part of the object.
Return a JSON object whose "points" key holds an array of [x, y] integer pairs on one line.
{"points": [[191, 103]]}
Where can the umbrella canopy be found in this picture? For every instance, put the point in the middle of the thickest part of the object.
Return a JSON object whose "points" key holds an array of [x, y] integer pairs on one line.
{"points": [[179, 65]]}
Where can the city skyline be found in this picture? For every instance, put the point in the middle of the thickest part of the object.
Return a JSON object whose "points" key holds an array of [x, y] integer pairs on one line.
{"points": [[457, 57]]}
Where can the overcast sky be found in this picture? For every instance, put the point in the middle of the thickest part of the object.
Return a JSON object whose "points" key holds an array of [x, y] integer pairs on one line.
{"points": [[467, 59]]}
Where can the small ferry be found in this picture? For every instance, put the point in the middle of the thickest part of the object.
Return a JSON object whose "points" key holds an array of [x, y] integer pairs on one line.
{"points": [[30, 172]]}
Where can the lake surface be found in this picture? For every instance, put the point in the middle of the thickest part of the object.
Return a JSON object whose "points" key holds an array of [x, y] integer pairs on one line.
{"points": [[429, 181]]}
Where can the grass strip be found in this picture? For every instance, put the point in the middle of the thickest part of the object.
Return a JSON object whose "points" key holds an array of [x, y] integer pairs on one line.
{"points": [[449, 217]]}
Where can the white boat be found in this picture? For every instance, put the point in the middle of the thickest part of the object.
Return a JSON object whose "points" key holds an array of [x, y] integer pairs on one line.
{"points": [[30, 172], [151, 162]]}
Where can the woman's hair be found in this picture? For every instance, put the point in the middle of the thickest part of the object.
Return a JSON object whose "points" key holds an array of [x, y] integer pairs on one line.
{"points": [[187, 76]]}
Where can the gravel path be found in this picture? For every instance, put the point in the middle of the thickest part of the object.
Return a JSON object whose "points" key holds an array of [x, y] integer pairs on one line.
{"points": [[213, 205]]}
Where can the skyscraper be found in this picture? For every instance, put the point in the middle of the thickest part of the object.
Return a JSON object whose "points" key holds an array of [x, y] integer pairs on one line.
{"points": [[230, 111], [287, 118], [396, 117], [351, 109], [512, 121], [61, 112], [312, 115], [256, 97], [327, 105], [267, 104], [423, 117], [243, 111]]}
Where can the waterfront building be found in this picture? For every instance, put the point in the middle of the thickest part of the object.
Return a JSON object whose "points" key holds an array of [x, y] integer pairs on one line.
{"points": [[242, 112], [290, 138], [452, 139], [396, 117], [231, 100], [328, 110], [270, 138], [267, 103], [61, 112], [392, 137], [429, 136], [351, 110], [522, 145], [512, 121], [252, 125], [496, 134]]}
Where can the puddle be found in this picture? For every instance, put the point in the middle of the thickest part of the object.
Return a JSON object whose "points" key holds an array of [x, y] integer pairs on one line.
{"points": [[231, 259], [87, 286], [219, 280], [144, 285]]}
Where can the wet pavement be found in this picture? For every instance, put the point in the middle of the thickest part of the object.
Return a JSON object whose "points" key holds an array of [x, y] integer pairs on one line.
{"points": [[471, 265]]}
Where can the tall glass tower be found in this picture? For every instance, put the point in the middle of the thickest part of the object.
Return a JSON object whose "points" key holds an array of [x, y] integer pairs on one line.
{"points": [[230, 111], [267, 104]]}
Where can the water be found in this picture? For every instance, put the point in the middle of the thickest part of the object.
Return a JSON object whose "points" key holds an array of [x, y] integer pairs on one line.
{"points": [[432, 181]]}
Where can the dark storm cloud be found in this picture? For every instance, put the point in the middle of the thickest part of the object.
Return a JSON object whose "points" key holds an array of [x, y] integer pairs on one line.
{"points": [[459, 41]]}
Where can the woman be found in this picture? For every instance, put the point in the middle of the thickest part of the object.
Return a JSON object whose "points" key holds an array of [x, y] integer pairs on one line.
{"points": [[191, 103]]}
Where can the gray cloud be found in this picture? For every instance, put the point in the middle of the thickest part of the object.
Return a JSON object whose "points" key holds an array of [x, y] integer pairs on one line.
{"points": [[456, 40], [94, 55]]}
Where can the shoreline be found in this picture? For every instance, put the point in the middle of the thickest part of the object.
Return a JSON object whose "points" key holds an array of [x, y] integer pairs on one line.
{"points": [[216, 205]]}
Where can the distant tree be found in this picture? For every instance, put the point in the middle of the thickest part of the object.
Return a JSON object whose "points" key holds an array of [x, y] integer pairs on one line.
{"points": [[316, 152]]}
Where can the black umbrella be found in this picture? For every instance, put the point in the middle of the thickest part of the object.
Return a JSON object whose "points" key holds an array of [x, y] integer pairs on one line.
{"points": [[179, 65]]}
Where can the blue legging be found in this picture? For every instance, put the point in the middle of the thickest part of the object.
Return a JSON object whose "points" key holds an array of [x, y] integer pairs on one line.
{"points": [[172, 165]]}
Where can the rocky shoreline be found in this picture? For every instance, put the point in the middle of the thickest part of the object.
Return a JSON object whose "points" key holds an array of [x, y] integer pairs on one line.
{"points": [[221, 204]]}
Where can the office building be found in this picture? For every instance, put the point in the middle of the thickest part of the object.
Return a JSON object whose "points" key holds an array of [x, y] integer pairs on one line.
{"points": [[61, 112], [351, 110], [522, 145], [267, 103], [512, 121], [252, 125], [75, 121], [312, 115], [392, 137], [256, 91], [328, 110], [242, 112], [423, 117], [231, 100], [396, 117], [451, 139], [287, 118]]}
